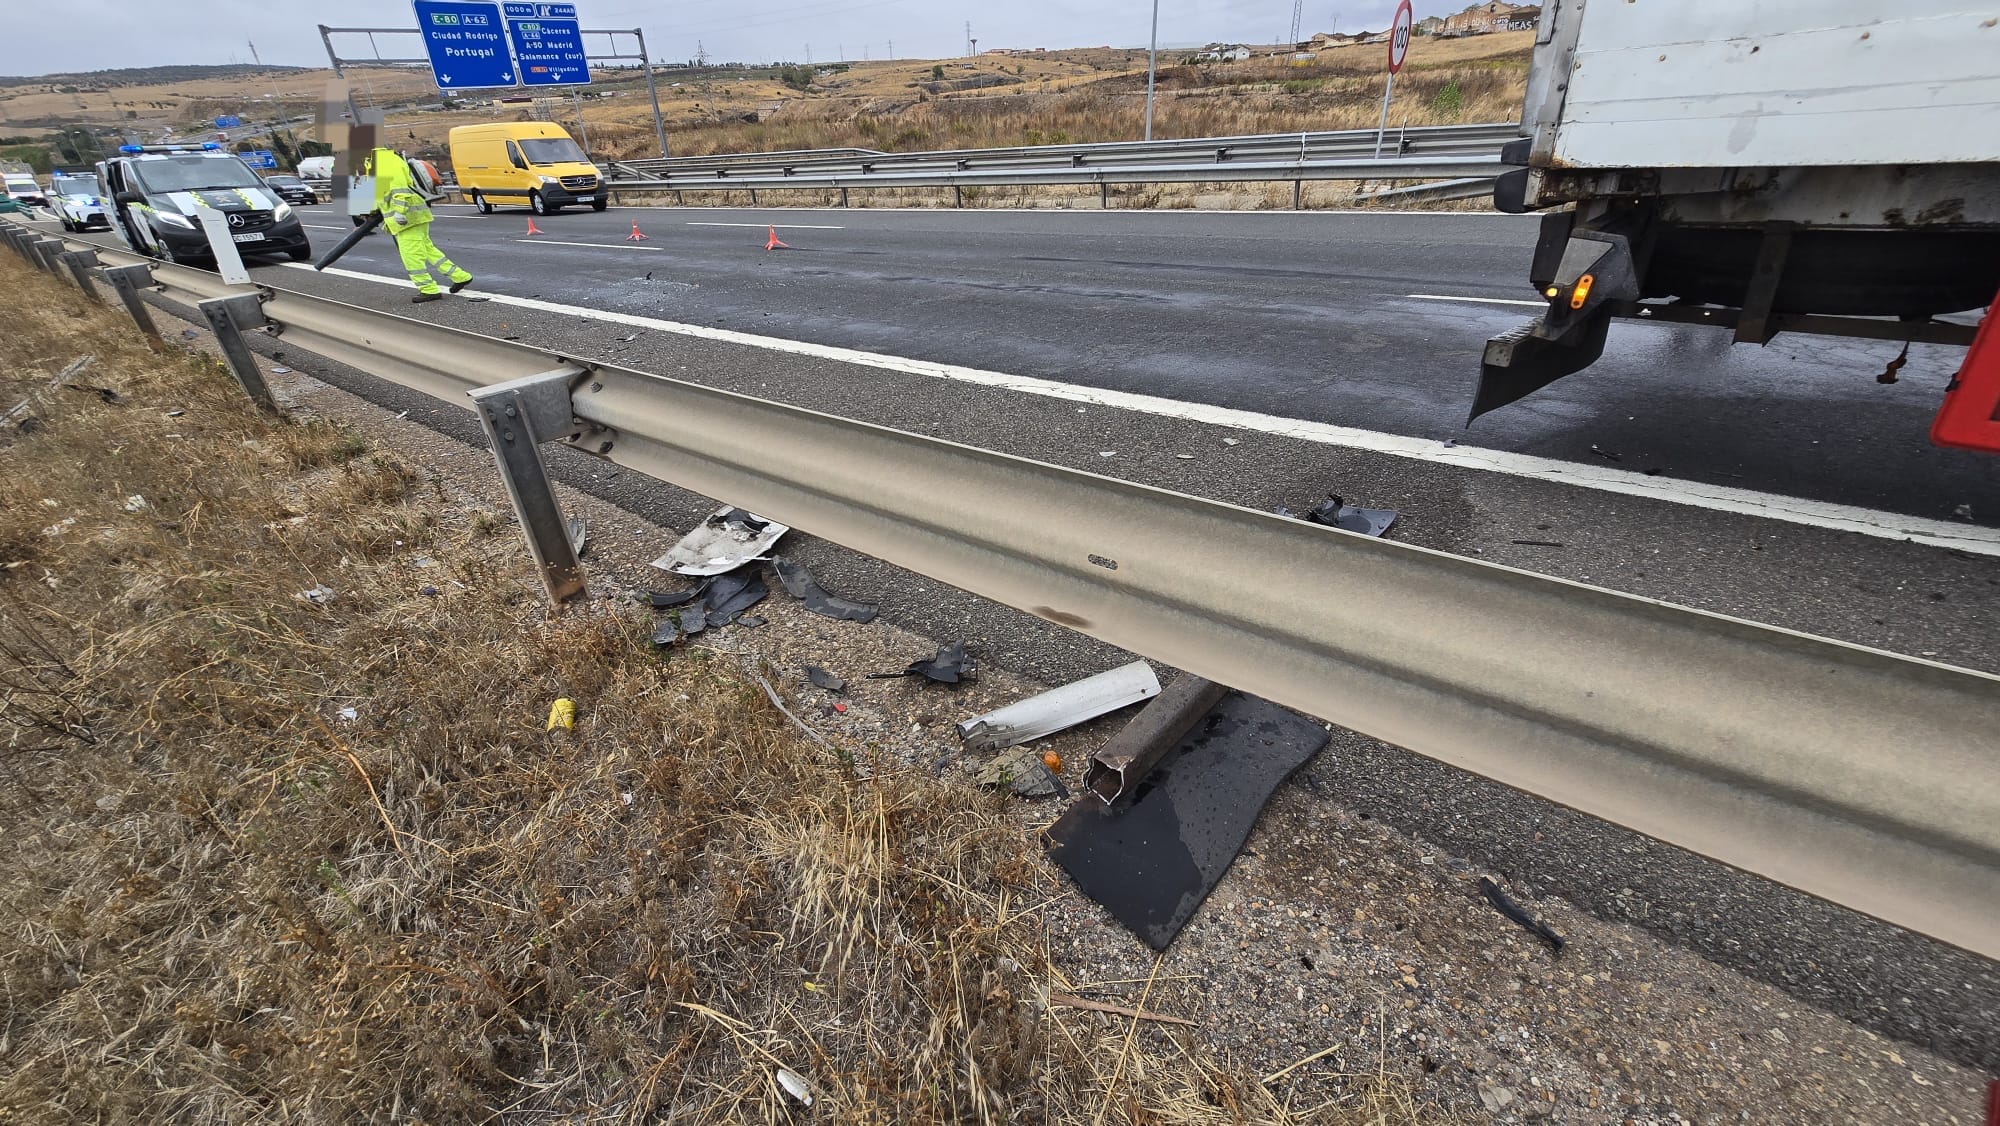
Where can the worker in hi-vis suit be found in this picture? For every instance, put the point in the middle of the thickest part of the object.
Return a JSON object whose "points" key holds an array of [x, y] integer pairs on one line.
{"points": [[405, 209]]}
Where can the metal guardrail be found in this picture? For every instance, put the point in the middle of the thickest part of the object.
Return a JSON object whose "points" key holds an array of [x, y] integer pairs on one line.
{"points": [[1467, 153], [1861, 776], [1261, 148]]}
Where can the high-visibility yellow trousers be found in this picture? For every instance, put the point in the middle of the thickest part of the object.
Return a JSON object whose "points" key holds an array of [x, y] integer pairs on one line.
{"points": [[421, 256]]}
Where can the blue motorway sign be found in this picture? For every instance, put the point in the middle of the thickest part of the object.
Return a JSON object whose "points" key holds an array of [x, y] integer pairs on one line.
{"points": [[261, 158], [548, 44], [227, 122], [466, 42]]}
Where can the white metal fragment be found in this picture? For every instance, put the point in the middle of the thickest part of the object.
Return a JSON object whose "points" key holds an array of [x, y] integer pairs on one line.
{"points": [[1060, 708]]}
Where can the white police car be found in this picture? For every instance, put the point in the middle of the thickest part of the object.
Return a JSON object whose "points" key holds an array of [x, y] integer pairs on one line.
{"points": [[78, 202]]}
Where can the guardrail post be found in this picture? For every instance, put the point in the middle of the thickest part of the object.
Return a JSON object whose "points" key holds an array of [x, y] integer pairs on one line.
{"points": [[127, 281], [81, 262], [1298, 193], [843, 197], [957, 196], [45, 251], [1103, 196], [517, 417], [753, 197], [228, 317], [13, 235]]}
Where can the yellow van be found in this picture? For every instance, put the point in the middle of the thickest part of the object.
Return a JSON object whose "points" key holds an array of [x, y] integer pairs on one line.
{"points": [[515, 162]]}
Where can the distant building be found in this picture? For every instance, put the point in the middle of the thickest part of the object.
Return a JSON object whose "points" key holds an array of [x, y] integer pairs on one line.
{"points": [[1524, 19], [1479, 19], [1223, 53], [1429, 25]]}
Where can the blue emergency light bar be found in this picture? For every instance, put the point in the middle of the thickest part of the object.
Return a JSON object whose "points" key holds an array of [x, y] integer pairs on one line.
{"points": [[207, 146]]}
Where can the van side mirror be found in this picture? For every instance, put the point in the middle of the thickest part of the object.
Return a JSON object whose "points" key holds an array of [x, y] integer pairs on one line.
{"points": [[129, 198]]}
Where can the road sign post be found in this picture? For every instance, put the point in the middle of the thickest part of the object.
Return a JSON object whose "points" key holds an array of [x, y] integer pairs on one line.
{"points": [[1399, 48], [466, 41]]}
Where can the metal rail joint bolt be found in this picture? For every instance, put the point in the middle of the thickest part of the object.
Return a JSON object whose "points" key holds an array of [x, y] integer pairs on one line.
{"points": [[518, 416]]}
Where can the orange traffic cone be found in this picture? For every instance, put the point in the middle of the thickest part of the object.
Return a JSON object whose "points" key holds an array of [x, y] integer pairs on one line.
{"points": [[635, 236], [774, 244], [532, 229]]}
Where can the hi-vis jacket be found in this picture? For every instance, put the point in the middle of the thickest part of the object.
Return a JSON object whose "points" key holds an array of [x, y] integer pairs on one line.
{"points": [[396, 195]]}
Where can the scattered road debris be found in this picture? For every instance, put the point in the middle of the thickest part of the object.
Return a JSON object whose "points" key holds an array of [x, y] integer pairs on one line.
{"points": [[949, 666], [778, 703], [1505, 904], [1537, 543], [694, 619], [318, 595], [800, 584], [666, 631], [793, 1084], [728, 539], [1053, 761], [280, 369], [1152, 863], [1185, 457], [1604, 453], [1231, 442], [821, 678], [1337, 513], [350, 714], [1024, 772], [579, 535], [1962, 512], [1107, 453], [429, 592], [1888, 373], [562, 714], [1059, 708], [1073, 1002], [675, 598], [104, 393], [1125, 760], [752, 621], [136, 503], [731, 593], [74, 369]]}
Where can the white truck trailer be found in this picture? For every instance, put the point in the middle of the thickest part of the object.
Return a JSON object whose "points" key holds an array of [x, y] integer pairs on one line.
{"points": [[1766, 166]]}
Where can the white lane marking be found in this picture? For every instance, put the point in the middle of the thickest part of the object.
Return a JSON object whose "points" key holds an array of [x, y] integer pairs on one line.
{"points": [[1476, 300], [594, 245], [787, 226], [1047, 210], [323, 227], [1696, 494]]}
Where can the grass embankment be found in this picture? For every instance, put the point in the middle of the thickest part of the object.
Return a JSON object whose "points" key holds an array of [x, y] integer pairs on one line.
{"points": [[226, 898]]}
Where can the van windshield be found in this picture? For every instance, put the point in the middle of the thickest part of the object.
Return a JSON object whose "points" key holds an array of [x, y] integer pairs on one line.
{"points": [[552, 150], [77, 185], [192, 173]]}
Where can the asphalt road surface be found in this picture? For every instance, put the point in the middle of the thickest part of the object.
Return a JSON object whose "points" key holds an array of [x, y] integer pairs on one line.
{"points": [[1306, 316], [1327, 317]]}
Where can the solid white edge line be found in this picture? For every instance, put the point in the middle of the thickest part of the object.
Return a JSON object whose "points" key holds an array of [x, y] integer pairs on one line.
{"points": [[1475, 300], [1696, 494]]}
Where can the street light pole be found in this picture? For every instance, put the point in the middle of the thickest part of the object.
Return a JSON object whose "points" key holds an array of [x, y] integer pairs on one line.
{"points": [[1152, 65]]}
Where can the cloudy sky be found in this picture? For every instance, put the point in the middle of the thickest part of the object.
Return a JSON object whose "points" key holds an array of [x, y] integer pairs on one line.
{"points": [[155, 32]]}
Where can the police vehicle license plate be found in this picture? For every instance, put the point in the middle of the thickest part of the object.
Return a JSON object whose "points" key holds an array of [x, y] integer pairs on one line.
{"points": [[586, 199], [248, 238]]}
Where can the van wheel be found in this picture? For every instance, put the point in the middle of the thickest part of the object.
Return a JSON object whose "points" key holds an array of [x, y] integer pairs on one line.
{"points": [[600, 205], [539, 205], [484, 205]]}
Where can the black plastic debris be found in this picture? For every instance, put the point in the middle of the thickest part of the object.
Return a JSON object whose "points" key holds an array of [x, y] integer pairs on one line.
{"points": [[1605, 454], [731, 593], [671, 599], [104, 393], [823, 679], [1152, 862], [1505, 904], [800, 584], [667, 631], [949, 666], [694, 619], [1336, 513], [752, 621]]}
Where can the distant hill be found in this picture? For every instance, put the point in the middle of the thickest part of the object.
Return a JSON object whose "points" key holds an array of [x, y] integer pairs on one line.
{"points": [[143, 75]]}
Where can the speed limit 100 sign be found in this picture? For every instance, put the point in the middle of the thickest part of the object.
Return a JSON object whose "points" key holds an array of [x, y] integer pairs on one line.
{"points": [[1399, 36]]}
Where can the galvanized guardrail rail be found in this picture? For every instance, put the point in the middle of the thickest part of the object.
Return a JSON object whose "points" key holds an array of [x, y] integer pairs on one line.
{"points": [[1861, 776], [1455, 152]]}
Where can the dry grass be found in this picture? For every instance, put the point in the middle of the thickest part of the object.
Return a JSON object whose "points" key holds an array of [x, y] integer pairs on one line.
{"points": [[222, 901]]}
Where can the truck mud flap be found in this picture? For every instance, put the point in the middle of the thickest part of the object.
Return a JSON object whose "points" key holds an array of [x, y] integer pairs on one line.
{"points": [[1519, 362]]}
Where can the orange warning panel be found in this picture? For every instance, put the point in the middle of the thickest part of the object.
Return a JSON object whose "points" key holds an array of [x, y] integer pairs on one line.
{"points": [[1970, 416]]}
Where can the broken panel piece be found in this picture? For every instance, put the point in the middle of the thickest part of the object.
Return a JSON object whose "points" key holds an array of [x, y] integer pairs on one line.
{"points": [[1059, 708]]}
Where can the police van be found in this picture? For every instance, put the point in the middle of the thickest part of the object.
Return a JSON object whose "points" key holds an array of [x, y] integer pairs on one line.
{"points": [[160, 192], [78, 202]]}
